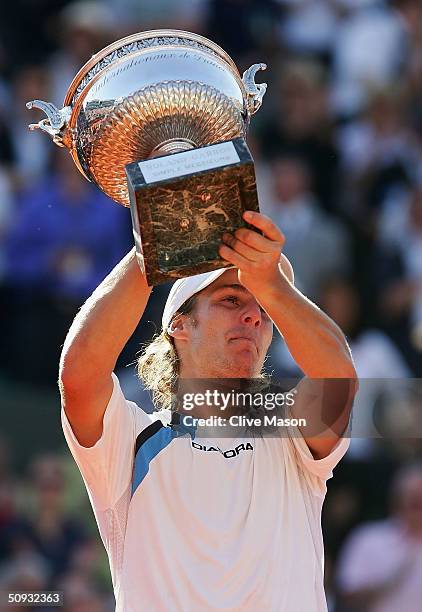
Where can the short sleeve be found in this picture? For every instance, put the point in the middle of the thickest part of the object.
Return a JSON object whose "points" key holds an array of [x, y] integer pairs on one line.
{"points": [[106, 467], [319, 468], [322, 468]]}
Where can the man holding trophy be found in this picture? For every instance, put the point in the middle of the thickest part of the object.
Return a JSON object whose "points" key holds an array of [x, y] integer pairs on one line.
{"points": [[191, 522]]}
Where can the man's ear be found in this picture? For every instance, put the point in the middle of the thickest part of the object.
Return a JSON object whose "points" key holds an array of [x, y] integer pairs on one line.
{"points": [[177, 328]]}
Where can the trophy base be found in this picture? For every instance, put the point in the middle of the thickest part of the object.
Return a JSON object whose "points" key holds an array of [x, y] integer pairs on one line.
{"points": [[181, 204]]}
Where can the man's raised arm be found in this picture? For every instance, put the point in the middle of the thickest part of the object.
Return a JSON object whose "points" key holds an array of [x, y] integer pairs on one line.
{"points": [[316, 343], [95, 340]]}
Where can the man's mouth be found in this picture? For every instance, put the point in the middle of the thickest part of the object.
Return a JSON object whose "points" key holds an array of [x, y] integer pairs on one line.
{"points": [[246, 339]]}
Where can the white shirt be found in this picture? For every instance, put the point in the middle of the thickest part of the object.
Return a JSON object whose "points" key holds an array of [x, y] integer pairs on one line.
{"points": [[189, 529]]}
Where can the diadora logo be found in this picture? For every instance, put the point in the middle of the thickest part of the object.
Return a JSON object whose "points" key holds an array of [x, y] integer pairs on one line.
{"points": [[233, 452]]}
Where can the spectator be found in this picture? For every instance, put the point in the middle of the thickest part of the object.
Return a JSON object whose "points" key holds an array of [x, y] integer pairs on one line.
{"points": [[378, 362], [7, 173], [316, 243], [80, 595], [19, 19], [374, 354], [65, 237], [380, 568], [254, 24], [136, 15], [85, 27], [369, 47], [301, 125], [397, 275], [309, 26], [411, 13], [378, 153], [54, 535], [31, 150], [8, 515], [27, 573]]}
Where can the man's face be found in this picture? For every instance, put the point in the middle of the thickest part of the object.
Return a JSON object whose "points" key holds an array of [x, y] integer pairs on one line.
{"points": [[228, 333], [290, 180], [410, 503]]}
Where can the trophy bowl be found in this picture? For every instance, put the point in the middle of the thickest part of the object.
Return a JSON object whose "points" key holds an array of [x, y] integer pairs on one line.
{"points": [[179, 97], [150, 94]]}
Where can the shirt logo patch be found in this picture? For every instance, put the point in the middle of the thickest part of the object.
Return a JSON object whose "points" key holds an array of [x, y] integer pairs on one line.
{"points": [[228, 454]]}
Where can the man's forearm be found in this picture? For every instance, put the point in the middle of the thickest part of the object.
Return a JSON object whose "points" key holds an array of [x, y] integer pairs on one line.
{"points": [[316, 343], [105, 322]]}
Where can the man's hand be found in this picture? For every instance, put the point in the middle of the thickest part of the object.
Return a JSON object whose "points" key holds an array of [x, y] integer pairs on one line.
{"points": [[257, 257]]}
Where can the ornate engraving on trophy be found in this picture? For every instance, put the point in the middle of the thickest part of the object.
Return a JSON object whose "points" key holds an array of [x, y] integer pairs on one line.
{"points": [[139, 45], [197, 160]]}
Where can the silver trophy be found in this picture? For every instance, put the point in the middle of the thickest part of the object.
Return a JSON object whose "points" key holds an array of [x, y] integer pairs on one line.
{"points": [[170, 94]]}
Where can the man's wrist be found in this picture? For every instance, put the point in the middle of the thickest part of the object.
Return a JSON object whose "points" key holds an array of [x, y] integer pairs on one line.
{"points": [[276, 290]]}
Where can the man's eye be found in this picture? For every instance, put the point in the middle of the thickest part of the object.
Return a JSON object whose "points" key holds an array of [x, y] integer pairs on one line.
{"points": [[231, 298]]}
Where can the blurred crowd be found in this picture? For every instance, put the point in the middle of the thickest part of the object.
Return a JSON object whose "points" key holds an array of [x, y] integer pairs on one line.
{"points": [[337, 146]]}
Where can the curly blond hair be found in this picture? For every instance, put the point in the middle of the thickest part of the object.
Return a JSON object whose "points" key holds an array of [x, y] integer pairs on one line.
{"points": [[158, 366]]}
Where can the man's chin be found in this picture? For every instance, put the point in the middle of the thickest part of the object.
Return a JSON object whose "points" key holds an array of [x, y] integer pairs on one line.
{"points": [[242, 367]]}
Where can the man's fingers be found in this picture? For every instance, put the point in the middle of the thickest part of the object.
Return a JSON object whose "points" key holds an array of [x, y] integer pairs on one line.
{"points": [[265, 224], [233, 257], [257, 241], [240, 247]]}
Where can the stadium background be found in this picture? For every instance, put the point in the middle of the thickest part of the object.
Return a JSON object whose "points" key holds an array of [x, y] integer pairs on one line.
{"points": [[338, 151]]}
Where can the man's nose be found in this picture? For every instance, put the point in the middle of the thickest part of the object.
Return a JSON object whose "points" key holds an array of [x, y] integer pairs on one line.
{"points": [[252, 315]]}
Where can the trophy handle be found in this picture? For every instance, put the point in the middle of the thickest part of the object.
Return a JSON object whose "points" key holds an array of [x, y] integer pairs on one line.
{"points": [[56, 122], [255, 91]]}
